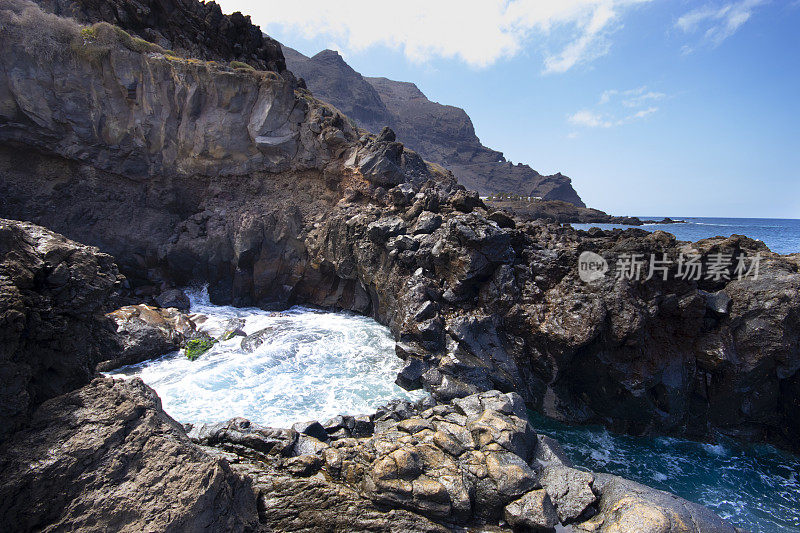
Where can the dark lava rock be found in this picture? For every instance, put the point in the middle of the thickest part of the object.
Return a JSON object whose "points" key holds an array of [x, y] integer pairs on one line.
{"points": [[54, 294], [251, 342], [312, 429], [240, 433], [173, 298], [264, 219], [410, 377], [107, 458]]}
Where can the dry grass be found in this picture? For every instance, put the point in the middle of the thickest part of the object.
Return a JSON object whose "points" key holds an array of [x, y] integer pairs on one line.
{"points": [[44, 36], [48, 38], [240, 65]]}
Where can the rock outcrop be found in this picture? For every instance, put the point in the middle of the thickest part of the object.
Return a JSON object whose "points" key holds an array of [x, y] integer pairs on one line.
{"points": [[472, 462], [189, 170], [144, 332], [440, 133], [54, 294], [138, 141], [273, 198], [565, 212], [185, 27], [107, 458]]}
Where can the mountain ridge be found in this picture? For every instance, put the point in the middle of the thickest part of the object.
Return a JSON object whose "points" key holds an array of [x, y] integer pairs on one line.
{"points": [[440, 133]]}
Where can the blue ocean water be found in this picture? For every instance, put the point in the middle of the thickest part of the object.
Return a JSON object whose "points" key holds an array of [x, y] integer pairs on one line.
{"points": [[780, 235], [756, 487]]}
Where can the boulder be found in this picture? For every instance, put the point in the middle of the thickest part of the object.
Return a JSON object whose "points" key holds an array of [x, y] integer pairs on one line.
{"points": [[570, 490], [121, 464], [173, 298], [251, 342], [312, 429], [54, 294], [629, 507], [240, 434], [410, 376], [533, 511], [145, 332]]}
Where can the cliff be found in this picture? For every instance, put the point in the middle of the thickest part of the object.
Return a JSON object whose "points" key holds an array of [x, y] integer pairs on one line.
{"points": [[190, 28], [440, 133], [197, 171]]}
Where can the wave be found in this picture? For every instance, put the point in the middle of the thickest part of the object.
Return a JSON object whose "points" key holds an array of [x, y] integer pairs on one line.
{"points": [[312, 365]]}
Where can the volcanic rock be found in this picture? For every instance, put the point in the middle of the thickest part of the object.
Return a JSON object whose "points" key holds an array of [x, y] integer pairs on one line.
{"points": [[54, 294], [106, 457]]}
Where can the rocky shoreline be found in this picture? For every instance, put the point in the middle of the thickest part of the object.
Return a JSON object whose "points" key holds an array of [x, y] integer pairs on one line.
{"points": [[565, 213], [186, 170]]}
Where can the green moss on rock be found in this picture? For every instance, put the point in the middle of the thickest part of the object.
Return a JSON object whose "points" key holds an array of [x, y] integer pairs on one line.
{"points": [[197, 347]]}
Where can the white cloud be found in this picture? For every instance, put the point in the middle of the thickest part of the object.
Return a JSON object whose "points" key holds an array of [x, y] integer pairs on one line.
{"points": [[589, 119], [478, 32], [719, 22], [616, 108]]}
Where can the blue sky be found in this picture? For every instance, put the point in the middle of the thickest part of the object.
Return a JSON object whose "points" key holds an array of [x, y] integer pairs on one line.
{"points": [[652, 107]]}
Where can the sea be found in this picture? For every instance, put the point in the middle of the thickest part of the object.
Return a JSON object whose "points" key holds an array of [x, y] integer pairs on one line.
{"points": [[780, 235], [314, 365]]}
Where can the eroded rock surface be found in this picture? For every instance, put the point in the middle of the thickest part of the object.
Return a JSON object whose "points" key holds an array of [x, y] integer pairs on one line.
{"points": [[107, 458], [273, 198], [54, 294], [144, 332], [474, 461]]}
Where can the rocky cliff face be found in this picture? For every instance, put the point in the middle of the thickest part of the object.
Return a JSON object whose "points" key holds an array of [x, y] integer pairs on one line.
{"points": [[440, 133], [187, 27], [53, 297], [336, 82], [141, 139], [268, 196], [194, 171]]}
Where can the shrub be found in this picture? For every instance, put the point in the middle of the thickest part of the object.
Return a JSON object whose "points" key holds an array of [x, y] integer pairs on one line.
{"points": [[43, 36], [240, 65]]}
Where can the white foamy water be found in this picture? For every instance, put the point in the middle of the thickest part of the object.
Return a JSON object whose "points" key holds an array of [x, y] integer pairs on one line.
{"points": [[313, 365]]}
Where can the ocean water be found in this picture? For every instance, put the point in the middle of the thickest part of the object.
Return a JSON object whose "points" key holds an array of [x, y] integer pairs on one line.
{"points": [[780, 235], [313, 365], [755, 487]]}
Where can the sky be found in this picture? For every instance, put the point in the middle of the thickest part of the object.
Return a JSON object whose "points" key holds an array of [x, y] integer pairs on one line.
{"points": [[652, 107]]}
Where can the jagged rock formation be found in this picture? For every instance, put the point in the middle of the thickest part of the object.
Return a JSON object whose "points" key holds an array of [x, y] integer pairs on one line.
{"points": [[143, 330], [269, 196], [440, 133], [107, 458], [53, 297], [168, 134], [473, 461], [187, 27], [190, 170]]}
